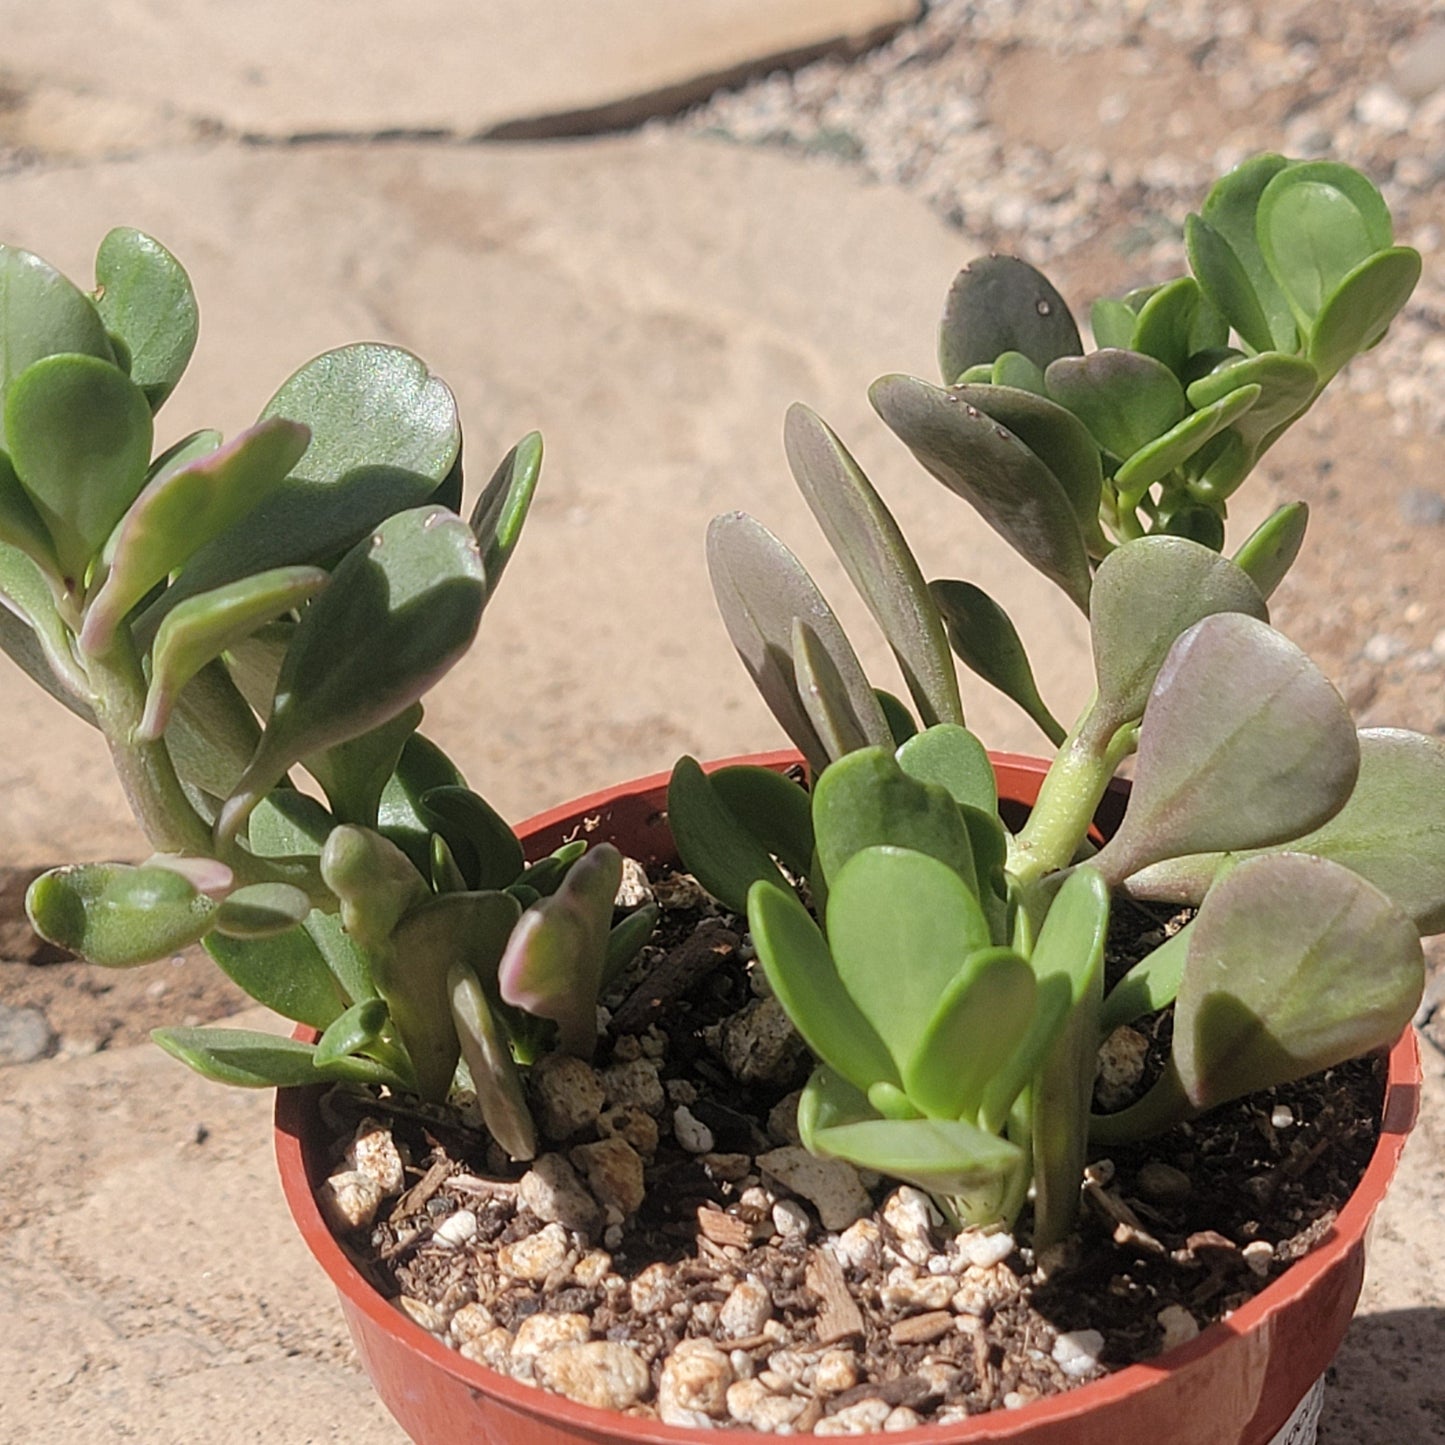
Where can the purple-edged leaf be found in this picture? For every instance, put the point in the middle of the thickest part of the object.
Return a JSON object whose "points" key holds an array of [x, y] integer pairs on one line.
{"points": [[80, 441], [374, 881], [979, 1020], [1295, 964], [180, 511], [1126, 399], [554, 961], [901, 927], [760, 588], [1269, 551], [804, 979], [402, 608], [1357, 313], [144, 297], [489, 1060], [872, 549], [1244, 744], [1146, 594], [988, 466], [825, 698], [204, 627], [998, 304], [500, 511]]}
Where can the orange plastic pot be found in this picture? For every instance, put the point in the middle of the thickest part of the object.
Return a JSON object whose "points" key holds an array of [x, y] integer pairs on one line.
{"points": [[1241, 1380]]}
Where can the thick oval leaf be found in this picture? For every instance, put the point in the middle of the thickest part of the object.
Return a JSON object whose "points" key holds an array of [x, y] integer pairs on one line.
{"points": [[901, 723], [360, 1027], [422, 767], [144, 296], [824, 695], [988, 466], [1014, 369], [1357, 313], [1196, 522], [287, 973], [487, 850], [374, 882], [497, 518], [178, 512], [1244, 744], [987, 643], [80, 440], [872, 549], [777, 812], [998, 304], [1112, 322], [954, 759], [1287, 386], [1146, 593], [760, 588], [401, 609], [716, 844], [116, 915], [489, 1060], [901, 926], [628, 939], [555, 958], [1164, 327], [1164, 454], [804, 980], [1125, 399], [354, 774], [261, 910], [1224, 280], [1058, 439], [977, 1023], [1152, 983], [247, 1059], [203, 627], [1295, 964], [21, 525], [1269, 551], [44, 314], [866, 799]]}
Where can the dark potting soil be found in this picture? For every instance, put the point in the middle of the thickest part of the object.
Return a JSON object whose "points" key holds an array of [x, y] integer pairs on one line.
{"points": [[840, 1329]]}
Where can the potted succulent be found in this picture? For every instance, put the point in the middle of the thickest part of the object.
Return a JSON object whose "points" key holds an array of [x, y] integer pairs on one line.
{"points": [[229, 613]]}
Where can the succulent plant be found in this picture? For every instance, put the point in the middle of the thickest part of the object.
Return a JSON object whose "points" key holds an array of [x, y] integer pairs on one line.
{"points": [[226, 613], [950, 976]]}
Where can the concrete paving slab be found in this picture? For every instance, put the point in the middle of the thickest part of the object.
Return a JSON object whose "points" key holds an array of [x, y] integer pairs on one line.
{"points": [[652, 305], [94, 76]]}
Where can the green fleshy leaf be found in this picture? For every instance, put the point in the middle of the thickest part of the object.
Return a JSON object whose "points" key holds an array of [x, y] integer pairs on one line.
{"points": [[1195, 522], [487, 850], [118, 916], [401, 609], [760, 588], [500, 511], [1146, 594], [1152, 984], [446, 877], [342, 955], [145, 298], [489, 1061], [774, 809], [555, 958], [373, 880], [287, 973], [289, 824], [628, 939], [179, 511], [861, 531], [422, 767], [1358, 312], [359, 1028], [1112, 323], [1125, 399], [1224, 280], [987, 643], [901, 722], [979, 1020], [901, 926], [1269, 551], [546, 874], [824, 694], [40, 642], [998, 304], [261, 910], [715, 843], [247, 1059], [954, 759], [80, 441], [804, 979], [354, 774], [21, 525], [1164, 454], [983, 462], [1014, 369], [866, 800], [201, 628], [1244, 744], [1164, 328]]}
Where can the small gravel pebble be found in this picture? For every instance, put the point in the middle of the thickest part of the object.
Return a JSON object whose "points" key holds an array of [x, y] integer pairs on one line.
{"points": [[1077, 1352], [25, 1035]]}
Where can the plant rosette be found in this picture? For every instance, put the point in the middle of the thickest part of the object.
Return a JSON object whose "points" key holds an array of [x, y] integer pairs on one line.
{"points": [[1251, 1377]]}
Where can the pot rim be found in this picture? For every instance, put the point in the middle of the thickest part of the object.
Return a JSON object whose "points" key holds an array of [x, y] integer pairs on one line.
{"points": [[1399, 1111]]}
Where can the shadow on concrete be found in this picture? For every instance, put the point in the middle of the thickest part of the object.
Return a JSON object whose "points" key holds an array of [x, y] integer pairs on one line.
{"points": [[1387, 1386]]}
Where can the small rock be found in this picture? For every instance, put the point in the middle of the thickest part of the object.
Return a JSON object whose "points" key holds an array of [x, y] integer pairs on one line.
{"points": [[472, 1322], [1422, 507], [1282, 1117], [1077, 1352], [836, 1371], [536, 1256], [494, 1348], [1258, 1254], [635, 1084], [860, 1418], [602, 1373], [747, 1309], [349, 1200], [1177, 1327], [456, 1229], [831, 1186], [25, 1035], [614, 1171], [758, 1045], [791, 1220], [1163, 1182], [932, 1292], [1121, 1065], [373, 1152], [420, 1312], [634, 890], [902, 1418], [567, 1095], [635, 1125], [860, 1245], [541, 1332], [1383, 108], [651, 1290], [690, 1132], [694, 1381], [752, 1404], [983, 1251], [909, 1214], [592, 1268], [783, 1116], [554, 1193], [1383, 647], [1421, 69]]}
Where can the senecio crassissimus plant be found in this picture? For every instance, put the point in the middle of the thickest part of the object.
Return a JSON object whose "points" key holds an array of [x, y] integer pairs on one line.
{"points": [[228, 613], [951, 985]]}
